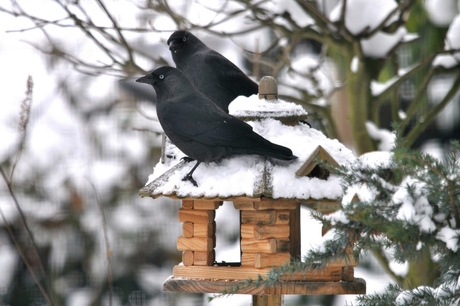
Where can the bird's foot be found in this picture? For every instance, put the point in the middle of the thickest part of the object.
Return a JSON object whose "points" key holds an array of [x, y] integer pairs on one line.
{"points": [[187, 159], [189, 177], [305, 122]]}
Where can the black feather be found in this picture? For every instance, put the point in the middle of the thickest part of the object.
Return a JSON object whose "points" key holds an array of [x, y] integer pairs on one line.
{"points": [[209, 71], [198, 127]]}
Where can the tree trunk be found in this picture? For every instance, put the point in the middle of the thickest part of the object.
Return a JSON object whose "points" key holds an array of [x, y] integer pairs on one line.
{"points": [[359, 96]]}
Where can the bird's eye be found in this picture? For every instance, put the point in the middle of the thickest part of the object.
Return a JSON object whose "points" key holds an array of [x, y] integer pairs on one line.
{"points": [[184, 39], [161, 76]]}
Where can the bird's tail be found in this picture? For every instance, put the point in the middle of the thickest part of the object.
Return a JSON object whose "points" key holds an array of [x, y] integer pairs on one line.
{"points": [[276, 151], [261, 146]]}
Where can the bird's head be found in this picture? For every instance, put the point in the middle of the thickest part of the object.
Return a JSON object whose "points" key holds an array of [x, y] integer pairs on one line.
{"points": [[181, 41], [166, 81], [157, 76], [178, 40]]}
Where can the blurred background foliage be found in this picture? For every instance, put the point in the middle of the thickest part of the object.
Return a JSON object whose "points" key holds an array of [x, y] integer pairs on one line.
{"points": [[82, 140]]}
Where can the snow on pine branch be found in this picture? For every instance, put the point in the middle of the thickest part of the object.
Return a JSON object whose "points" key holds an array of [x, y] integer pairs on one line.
{"points": [[403, 203]]}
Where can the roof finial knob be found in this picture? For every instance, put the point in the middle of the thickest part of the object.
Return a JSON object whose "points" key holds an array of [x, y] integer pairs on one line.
{"points": [[268, 88]]}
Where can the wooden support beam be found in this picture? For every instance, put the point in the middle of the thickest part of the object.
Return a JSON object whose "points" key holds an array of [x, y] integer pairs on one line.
{"points": [[245, 205], [267, 300], [206, 204], [271, 231], [269, 203], [247, 231], [187, 258], [270, 245], [187, 204], [196, 216], [348, 274], [258, 217], [203, 258], [283, 245], [198, 258], [194, 244], [295, 236], [187, 229], [356, 286], [251, 231], [258, 245], [244, 273], [266, 204], [262, 260], [283, 216], [204, 229], [248, 259]]}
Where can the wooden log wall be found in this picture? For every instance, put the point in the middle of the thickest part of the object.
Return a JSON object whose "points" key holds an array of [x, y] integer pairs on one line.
{"points": [[270, 232], [198, 238]]}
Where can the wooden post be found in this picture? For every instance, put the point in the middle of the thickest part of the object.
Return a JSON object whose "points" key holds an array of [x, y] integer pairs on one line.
{"points": [[270, 237], [268, 88], [267, 300], [270, 232], [198, 238]]}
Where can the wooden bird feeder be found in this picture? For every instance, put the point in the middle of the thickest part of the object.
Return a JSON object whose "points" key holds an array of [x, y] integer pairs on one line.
{"points": [[269, 218]]}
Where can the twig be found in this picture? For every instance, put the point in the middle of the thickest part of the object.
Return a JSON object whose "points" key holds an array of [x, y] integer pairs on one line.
{"points": [[416, 101], [123, 41], [108, 249], [16, 243], [431, 115], [79, 24], [23, 122], [401, 79], [403, 5], [22, 126]]}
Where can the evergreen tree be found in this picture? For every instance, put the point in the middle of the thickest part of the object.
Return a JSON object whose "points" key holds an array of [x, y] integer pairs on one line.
{"points": [[402, 203]]}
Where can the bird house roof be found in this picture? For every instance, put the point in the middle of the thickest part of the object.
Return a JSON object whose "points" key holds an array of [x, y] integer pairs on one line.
{"points": [[252, 108], [255, 176]]}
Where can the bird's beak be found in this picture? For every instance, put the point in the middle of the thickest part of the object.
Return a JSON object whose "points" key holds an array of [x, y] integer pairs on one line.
{"points": [[147, 79], [175, 45]]}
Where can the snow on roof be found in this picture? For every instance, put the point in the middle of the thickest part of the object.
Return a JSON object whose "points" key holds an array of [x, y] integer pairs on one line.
{"points": [[253, 107], [452, 43], [251, 175]]}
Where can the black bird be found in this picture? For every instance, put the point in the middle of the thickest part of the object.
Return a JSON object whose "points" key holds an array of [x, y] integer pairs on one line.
{"points": [[198, 127], [211, 73]]}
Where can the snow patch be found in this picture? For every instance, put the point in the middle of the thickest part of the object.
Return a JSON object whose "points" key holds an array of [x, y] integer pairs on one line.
{"points": [[452, 43], [354, 64], [450, 237], [385, 138], [363, 15], [253, 106], [441, 12], [380, 44]]}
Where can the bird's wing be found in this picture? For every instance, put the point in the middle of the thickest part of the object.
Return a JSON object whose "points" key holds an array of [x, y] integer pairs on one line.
{"points": [[229, 76], [211, 126]]}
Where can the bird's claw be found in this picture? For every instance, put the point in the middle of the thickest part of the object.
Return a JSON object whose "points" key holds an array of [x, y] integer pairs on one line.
{"points": [[187, 159], [188, 177]]}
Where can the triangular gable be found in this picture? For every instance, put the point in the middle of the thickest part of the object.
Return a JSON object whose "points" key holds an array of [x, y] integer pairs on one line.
{"points": [[312, 168]]}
